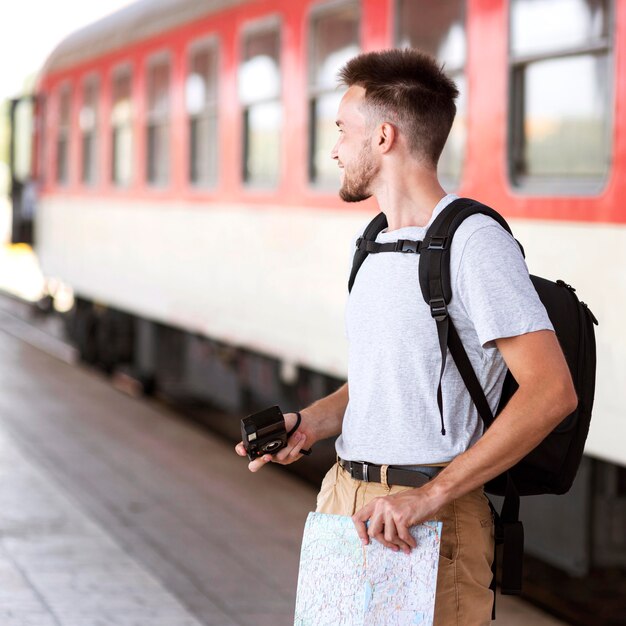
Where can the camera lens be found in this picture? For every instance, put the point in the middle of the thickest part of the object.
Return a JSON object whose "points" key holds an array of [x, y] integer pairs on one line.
{"points": [[272, 445]]}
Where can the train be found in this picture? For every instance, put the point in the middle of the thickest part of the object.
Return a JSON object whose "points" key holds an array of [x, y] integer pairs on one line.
{"points": [[181, 186]]}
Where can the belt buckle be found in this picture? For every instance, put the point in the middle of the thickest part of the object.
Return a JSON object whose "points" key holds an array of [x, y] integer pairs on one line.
{"points": [[359, 471]]}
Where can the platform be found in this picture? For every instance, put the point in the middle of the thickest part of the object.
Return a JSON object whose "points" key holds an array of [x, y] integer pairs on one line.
{"points": [[117, 512]]}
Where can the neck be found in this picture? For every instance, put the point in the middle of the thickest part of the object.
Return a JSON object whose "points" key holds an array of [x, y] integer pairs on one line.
{"points": [[409, 200]]}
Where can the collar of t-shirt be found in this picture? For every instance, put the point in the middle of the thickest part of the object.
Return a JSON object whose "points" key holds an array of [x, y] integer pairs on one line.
{"points": [[407, 231]]}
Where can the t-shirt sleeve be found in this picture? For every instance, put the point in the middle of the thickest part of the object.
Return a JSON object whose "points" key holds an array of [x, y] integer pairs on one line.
{"points": [[494, 287]]}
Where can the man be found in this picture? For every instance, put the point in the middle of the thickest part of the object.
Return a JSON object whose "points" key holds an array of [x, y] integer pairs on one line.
{"points": [[393, 123]]}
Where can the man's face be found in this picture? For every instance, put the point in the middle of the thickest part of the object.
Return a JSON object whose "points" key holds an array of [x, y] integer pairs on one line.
{"points": [[353, 150]]}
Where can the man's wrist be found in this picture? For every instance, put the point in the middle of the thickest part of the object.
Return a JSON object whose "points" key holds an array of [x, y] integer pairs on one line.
{"points": [[437, 492], [307, 427]]}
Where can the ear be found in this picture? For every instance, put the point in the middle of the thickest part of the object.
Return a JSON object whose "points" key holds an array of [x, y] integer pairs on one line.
{"points": [[387, 136]]}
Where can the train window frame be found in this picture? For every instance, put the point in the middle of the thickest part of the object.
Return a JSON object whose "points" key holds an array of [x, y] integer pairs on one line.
{"points": [[42, 136], [151, 119], [530, 185], [93, 79], [63, 132], [122, 70], [449, 182], [266, 24], [313, 92], [212, 44]]}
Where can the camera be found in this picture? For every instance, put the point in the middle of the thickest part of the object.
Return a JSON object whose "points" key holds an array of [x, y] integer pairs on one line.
{"points": [[264, 432]]}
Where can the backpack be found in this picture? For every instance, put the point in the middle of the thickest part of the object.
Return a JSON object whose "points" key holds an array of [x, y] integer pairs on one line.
{"points": [[551, 467]]}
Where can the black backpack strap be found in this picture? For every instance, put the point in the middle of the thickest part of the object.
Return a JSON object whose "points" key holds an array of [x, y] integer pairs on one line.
{"points": [[508, 528], [372, 229], [468, 375], [512, 539], [434, 271], [509, 534], [435, 283], [437, 245], [494, 563]]}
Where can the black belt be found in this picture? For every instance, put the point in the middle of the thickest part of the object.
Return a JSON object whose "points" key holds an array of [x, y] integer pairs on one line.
{"points": [[368, 472]]}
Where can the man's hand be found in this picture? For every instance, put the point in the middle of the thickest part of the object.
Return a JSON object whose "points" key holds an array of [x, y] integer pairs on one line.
{"points": [[321, 420], [390, 518], [287, 455]]}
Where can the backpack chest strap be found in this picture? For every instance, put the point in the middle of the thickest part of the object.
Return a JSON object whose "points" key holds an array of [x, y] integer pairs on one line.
{"points": [[402, 245]]}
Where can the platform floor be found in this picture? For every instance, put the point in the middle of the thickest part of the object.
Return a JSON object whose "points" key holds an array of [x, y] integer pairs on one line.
{"points": [[116, 512]]}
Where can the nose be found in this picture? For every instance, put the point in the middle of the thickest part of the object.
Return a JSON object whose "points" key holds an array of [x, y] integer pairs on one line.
{"points": [[333, 153]]}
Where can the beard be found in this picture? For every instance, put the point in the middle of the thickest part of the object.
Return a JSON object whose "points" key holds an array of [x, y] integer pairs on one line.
{"points": [[356, 185]]}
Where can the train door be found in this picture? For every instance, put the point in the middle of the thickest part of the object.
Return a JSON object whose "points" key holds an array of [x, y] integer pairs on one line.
{"points": [[22, 170]]}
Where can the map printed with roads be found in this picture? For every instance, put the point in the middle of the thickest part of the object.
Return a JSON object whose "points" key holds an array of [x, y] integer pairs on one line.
{"points": [[343, 583]]}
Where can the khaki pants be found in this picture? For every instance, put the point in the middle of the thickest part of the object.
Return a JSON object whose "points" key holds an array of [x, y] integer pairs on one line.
{"points": [[463, 596]]}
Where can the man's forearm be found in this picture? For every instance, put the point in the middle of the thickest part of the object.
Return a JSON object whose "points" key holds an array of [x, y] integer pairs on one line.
{"points": [[529, 416], [323, 418], [545, 396]]}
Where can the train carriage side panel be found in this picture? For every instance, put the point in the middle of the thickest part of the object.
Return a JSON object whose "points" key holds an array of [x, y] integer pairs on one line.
{"points": [[267, 270]]}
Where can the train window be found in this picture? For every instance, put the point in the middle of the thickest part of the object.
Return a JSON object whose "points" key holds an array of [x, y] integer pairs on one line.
{"points": [[334, 41], [24, 129], [63, 134], [88, 122], [439, 29], [259, 93], [158, 121], [560, 94], [201, 98], [122, 129]]}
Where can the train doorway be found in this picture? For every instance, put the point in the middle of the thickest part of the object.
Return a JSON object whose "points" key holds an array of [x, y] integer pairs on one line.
{"points": [[21, 166]]}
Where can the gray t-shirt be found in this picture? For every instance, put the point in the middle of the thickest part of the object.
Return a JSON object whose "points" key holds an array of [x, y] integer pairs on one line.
{"points": [[394, 358]]}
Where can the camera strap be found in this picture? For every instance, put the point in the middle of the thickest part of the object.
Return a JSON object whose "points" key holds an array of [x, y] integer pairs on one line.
{"points": [[293, 430]]}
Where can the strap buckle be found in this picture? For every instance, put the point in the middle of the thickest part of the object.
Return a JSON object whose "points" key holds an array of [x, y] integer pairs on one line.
{"points": [[407, 245], [437, 242], [438, 309]]}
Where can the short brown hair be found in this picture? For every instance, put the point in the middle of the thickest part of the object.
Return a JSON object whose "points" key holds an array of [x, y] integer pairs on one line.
{"points": [[409, 89]]}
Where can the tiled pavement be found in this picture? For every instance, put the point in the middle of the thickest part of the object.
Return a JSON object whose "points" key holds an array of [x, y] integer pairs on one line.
{"points": [[114, 512], [59, 568]]}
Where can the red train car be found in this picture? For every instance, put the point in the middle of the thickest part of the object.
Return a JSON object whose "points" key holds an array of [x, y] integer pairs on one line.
{"points": [[187, 196]]}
